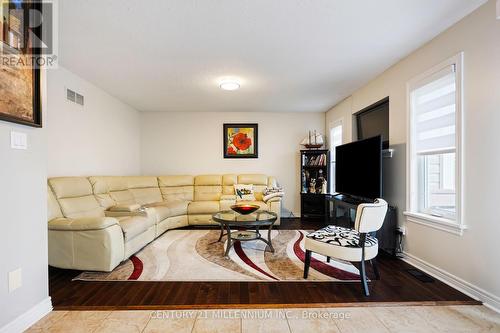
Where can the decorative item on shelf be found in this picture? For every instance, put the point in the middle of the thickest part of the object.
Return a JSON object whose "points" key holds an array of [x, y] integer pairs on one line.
{"points": [[324, 187], [304, 182], [244, 209], [320, 182], [313, 141], [312, 185], [240, 141]]}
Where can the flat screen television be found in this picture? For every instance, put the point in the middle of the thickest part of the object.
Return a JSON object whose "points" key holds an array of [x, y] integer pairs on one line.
{"points": [[373, 121], [358, 168]]}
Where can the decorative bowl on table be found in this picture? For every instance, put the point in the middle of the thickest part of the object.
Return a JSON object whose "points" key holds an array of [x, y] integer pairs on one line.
{"points": [[244, 209]]}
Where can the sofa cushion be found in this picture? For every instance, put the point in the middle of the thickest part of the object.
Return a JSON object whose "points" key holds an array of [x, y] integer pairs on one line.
{"points": [[161, 212], [207, 187], [341, 243], [133, 226], [244, 192], [141, 181], [260, 183], [111, 190], [70, 187], [123, 197], [144, 196], [177, 208], [203, 207], [75, 197], [144, 189], [256, 179], [177, 187], [204, 180], [86, 206], [228, 182], [172, 181], [53, 209]]}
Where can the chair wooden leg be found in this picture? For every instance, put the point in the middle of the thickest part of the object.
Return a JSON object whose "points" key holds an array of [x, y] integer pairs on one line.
{"points": [[327, 259], [307, 263], [375, 268], [364, 284]]}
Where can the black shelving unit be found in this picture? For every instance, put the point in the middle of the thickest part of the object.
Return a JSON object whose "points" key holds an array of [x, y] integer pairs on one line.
{"points": [[315, 164]]}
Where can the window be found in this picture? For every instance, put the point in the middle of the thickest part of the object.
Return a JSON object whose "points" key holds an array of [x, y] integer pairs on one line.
{"points": [[434, 157], [335, 140]]}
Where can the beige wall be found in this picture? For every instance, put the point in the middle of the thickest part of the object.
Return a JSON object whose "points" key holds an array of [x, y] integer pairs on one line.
{"points": [[23, 203], [341, 112], [102, 137], [191, 143], [472, 258]]}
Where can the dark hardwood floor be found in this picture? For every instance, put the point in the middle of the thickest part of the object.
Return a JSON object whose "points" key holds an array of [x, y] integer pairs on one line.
{"points": [[395, 287]]}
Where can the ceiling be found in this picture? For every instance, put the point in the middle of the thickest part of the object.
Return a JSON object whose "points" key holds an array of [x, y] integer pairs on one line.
{"points": [[290, 55]]}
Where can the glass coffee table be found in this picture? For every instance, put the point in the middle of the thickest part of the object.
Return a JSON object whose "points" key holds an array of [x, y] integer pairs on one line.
{"points": [[248, 227]]}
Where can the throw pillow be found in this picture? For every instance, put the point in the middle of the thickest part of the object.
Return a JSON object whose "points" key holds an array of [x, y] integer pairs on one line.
{"points": [[244, 192]]}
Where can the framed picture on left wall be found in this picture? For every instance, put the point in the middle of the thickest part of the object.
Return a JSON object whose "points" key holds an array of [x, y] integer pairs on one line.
{"points": [[241, 140], [20, 96]]}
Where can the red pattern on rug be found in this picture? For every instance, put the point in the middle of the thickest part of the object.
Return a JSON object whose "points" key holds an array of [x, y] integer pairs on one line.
{"points": [[239, 251], [321, 266], [138, 266]]}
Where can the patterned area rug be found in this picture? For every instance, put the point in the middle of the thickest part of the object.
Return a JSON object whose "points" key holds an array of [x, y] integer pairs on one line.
{"points": [[195, 255]]}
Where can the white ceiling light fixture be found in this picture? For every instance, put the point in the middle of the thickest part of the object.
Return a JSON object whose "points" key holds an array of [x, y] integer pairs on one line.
{"points": [[229, 85]]}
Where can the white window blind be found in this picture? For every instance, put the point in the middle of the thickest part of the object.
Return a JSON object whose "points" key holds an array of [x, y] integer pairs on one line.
{"points": [[433, 110], [335, 140], [434, 193]]}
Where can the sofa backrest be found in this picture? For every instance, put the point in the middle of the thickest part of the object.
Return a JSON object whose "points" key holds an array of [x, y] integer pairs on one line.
{"points": [[75, 197], [144, 189], [53, 209], [207, 187], [228, 182], [111, 190], [176, 188], [259, 182]]}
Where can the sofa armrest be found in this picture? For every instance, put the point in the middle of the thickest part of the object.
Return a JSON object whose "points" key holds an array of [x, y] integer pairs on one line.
{"points": [[72, 245], [146, 212], [124, 208], [80, 224]]}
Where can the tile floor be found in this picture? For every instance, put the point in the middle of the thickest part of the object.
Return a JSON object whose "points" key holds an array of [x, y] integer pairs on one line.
{"points": [[424, 319]]}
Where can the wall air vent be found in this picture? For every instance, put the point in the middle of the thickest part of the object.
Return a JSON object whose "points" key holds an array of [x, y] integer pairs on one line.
{"points": [[79, 99], [75, 97], [70, 95]]}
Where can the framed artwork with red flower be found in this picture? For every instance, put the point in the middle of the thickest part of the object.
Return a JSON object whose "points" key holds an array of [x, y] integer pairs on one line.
{"points": [[241, 141]]}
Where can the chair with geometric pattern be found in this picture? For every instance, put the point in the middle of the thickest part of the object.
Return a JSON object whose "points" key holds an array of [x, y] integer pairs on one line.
{"points": [[354, 245]]}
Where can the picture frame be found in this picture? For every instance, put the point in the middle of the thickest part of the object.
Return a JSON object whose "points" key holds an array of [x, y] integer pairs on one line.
{"points": [[20, 87], [241, 140]]}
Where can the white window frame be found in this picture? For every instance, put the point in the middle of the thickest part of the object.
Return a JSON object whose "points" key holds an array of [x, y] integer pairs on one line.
{"points": [[332, 125], [457, 225]]}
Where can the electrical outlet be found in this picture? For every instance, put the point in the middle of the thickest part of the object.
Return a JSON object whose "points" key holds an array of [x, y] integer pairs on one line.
{"points": [[15, 280]]}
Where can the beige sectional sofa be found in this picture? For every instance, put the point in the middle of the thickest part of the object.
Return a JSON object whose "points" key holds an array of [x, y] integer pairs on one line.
{"points": [[97, 222]]}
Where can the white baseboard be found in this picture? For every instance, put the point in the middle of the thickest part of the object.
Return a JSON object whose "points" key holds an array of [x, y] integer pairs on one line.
{"points": [[488, 299], [24, 321]]}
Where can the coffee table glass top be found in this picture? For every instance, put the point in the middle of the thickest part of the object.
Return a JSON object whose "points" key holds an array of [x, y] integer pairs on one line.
{"points": [[229, 216]]}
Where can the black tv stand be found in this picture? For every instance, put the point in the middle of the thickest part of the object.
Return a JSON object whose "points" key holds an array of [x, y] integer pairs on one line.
{"points": [[350, 199]]}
